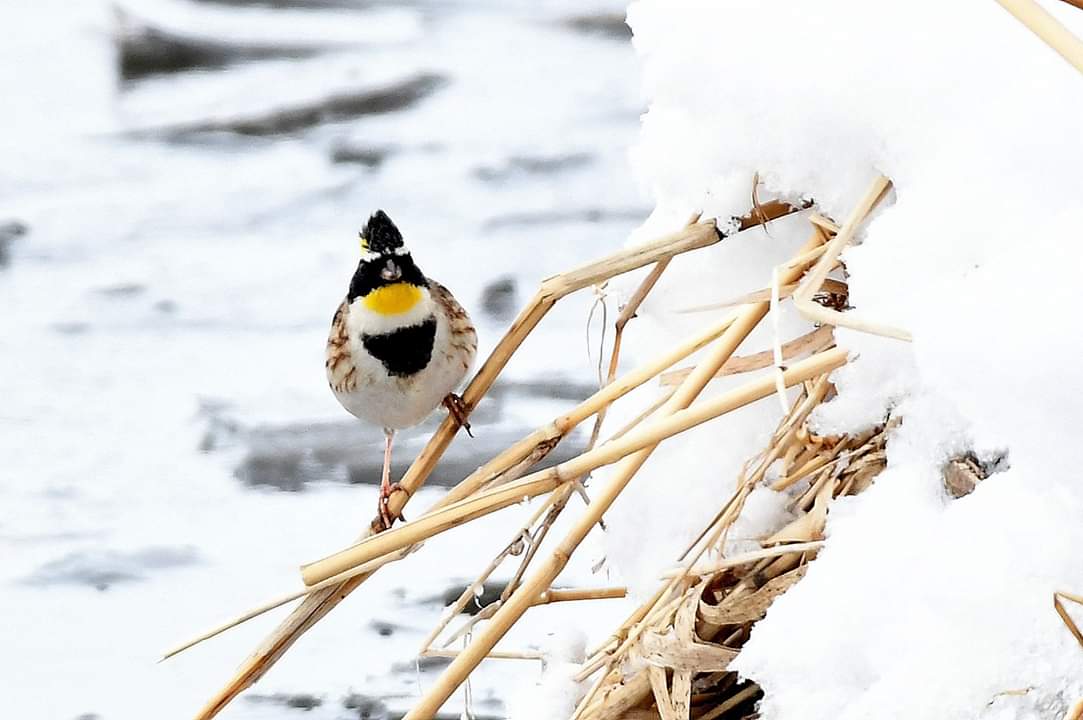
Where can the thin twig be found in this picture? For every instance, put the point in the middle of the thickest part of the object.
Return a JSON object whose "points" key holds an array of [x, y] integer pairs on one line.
{"points": [[745, 558]]}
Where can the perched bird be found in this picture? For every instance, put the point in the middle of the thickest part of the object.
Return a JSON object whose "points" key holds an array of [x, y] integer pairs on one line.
{"points": [[400, 343]]}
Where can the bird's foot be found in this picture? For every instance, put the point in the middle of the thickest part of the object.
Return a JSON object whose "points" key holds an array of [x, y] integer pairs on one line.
{"points": [[383, 504], [457, 408]]}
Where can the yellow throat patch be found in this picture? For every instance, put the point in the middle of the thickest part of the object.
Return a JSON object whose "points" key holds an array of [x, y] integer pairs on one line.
{"points": [[393, 299]]}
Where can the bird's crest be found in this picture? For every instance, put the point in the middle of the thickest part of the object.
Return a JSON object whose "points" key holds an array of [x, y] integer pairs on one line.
{"points": [[380, 236]]}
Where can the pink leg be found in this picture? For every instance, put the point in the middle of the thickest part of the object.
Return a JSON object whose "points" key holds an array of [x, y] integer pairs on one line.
{"points": [[386, 487]]}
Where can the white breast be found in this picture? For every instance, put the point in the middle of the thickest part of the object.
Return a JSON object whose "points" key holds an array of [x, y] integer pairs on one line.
{"points": [[398, 402]]}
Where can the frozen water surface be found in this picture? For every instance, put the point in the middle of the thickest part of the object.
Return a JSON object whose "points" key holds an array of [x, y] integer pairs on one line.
{"points": [[169, 452]]}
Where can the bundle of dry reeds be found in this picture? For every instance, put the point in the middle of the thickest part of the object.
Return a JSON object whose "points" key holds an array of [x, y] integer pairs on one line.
{"points": [[695, 606]]}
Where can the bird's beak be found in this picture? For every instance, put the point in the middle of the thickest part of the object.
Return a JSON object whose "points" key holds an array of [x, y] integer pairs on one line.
{"points": [[391, 271]]}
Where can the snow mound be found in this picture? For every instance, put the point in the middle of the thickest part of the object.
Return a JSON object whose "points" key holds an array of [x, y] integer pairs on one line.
{"points": [[920, 606]]}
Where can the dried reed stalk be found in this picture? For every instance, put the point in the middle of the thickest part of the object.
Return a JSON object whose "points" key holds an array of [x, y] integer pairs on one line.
{"points": [[577, 594], [745, 558], [494, 655], [829, 286], [811, 342], [318, 603], [1063, 612], [1048, 28], [548, 597], [823, 223]]}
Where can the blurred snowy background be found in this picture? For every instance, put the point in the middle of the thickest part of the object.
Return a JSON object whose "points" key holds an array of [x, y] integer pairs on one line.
{"points": [[181, 185]]}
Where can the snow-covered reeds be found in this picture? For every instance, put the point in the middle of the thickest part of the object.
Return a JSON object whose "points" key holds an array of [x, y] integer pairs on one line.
{"points": [[670, 658]]}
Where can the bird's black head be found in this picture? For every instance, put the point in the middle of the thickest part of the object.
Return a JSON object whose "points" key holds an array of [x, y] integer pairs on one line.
{"points": [[385, 260], [380, 235]]}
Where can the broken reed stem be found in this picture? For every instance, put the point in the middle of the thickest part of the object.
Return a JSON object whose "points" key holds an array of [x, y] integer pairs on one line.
{"points": [[319, 603], [280, 601], [1048, 28], [745, 558], [578, 594], [802, 298], [649, 437], [823, 223]]}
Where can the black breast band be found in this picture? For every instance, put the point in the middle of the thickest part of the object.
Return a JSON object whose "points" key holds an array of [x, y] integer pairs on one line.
{"points": [[404, 351]]}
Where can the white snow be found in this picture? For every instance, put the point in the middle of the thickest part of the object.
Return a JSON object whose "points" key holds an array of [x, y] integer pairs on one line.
{"points": [[919, 606]]}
